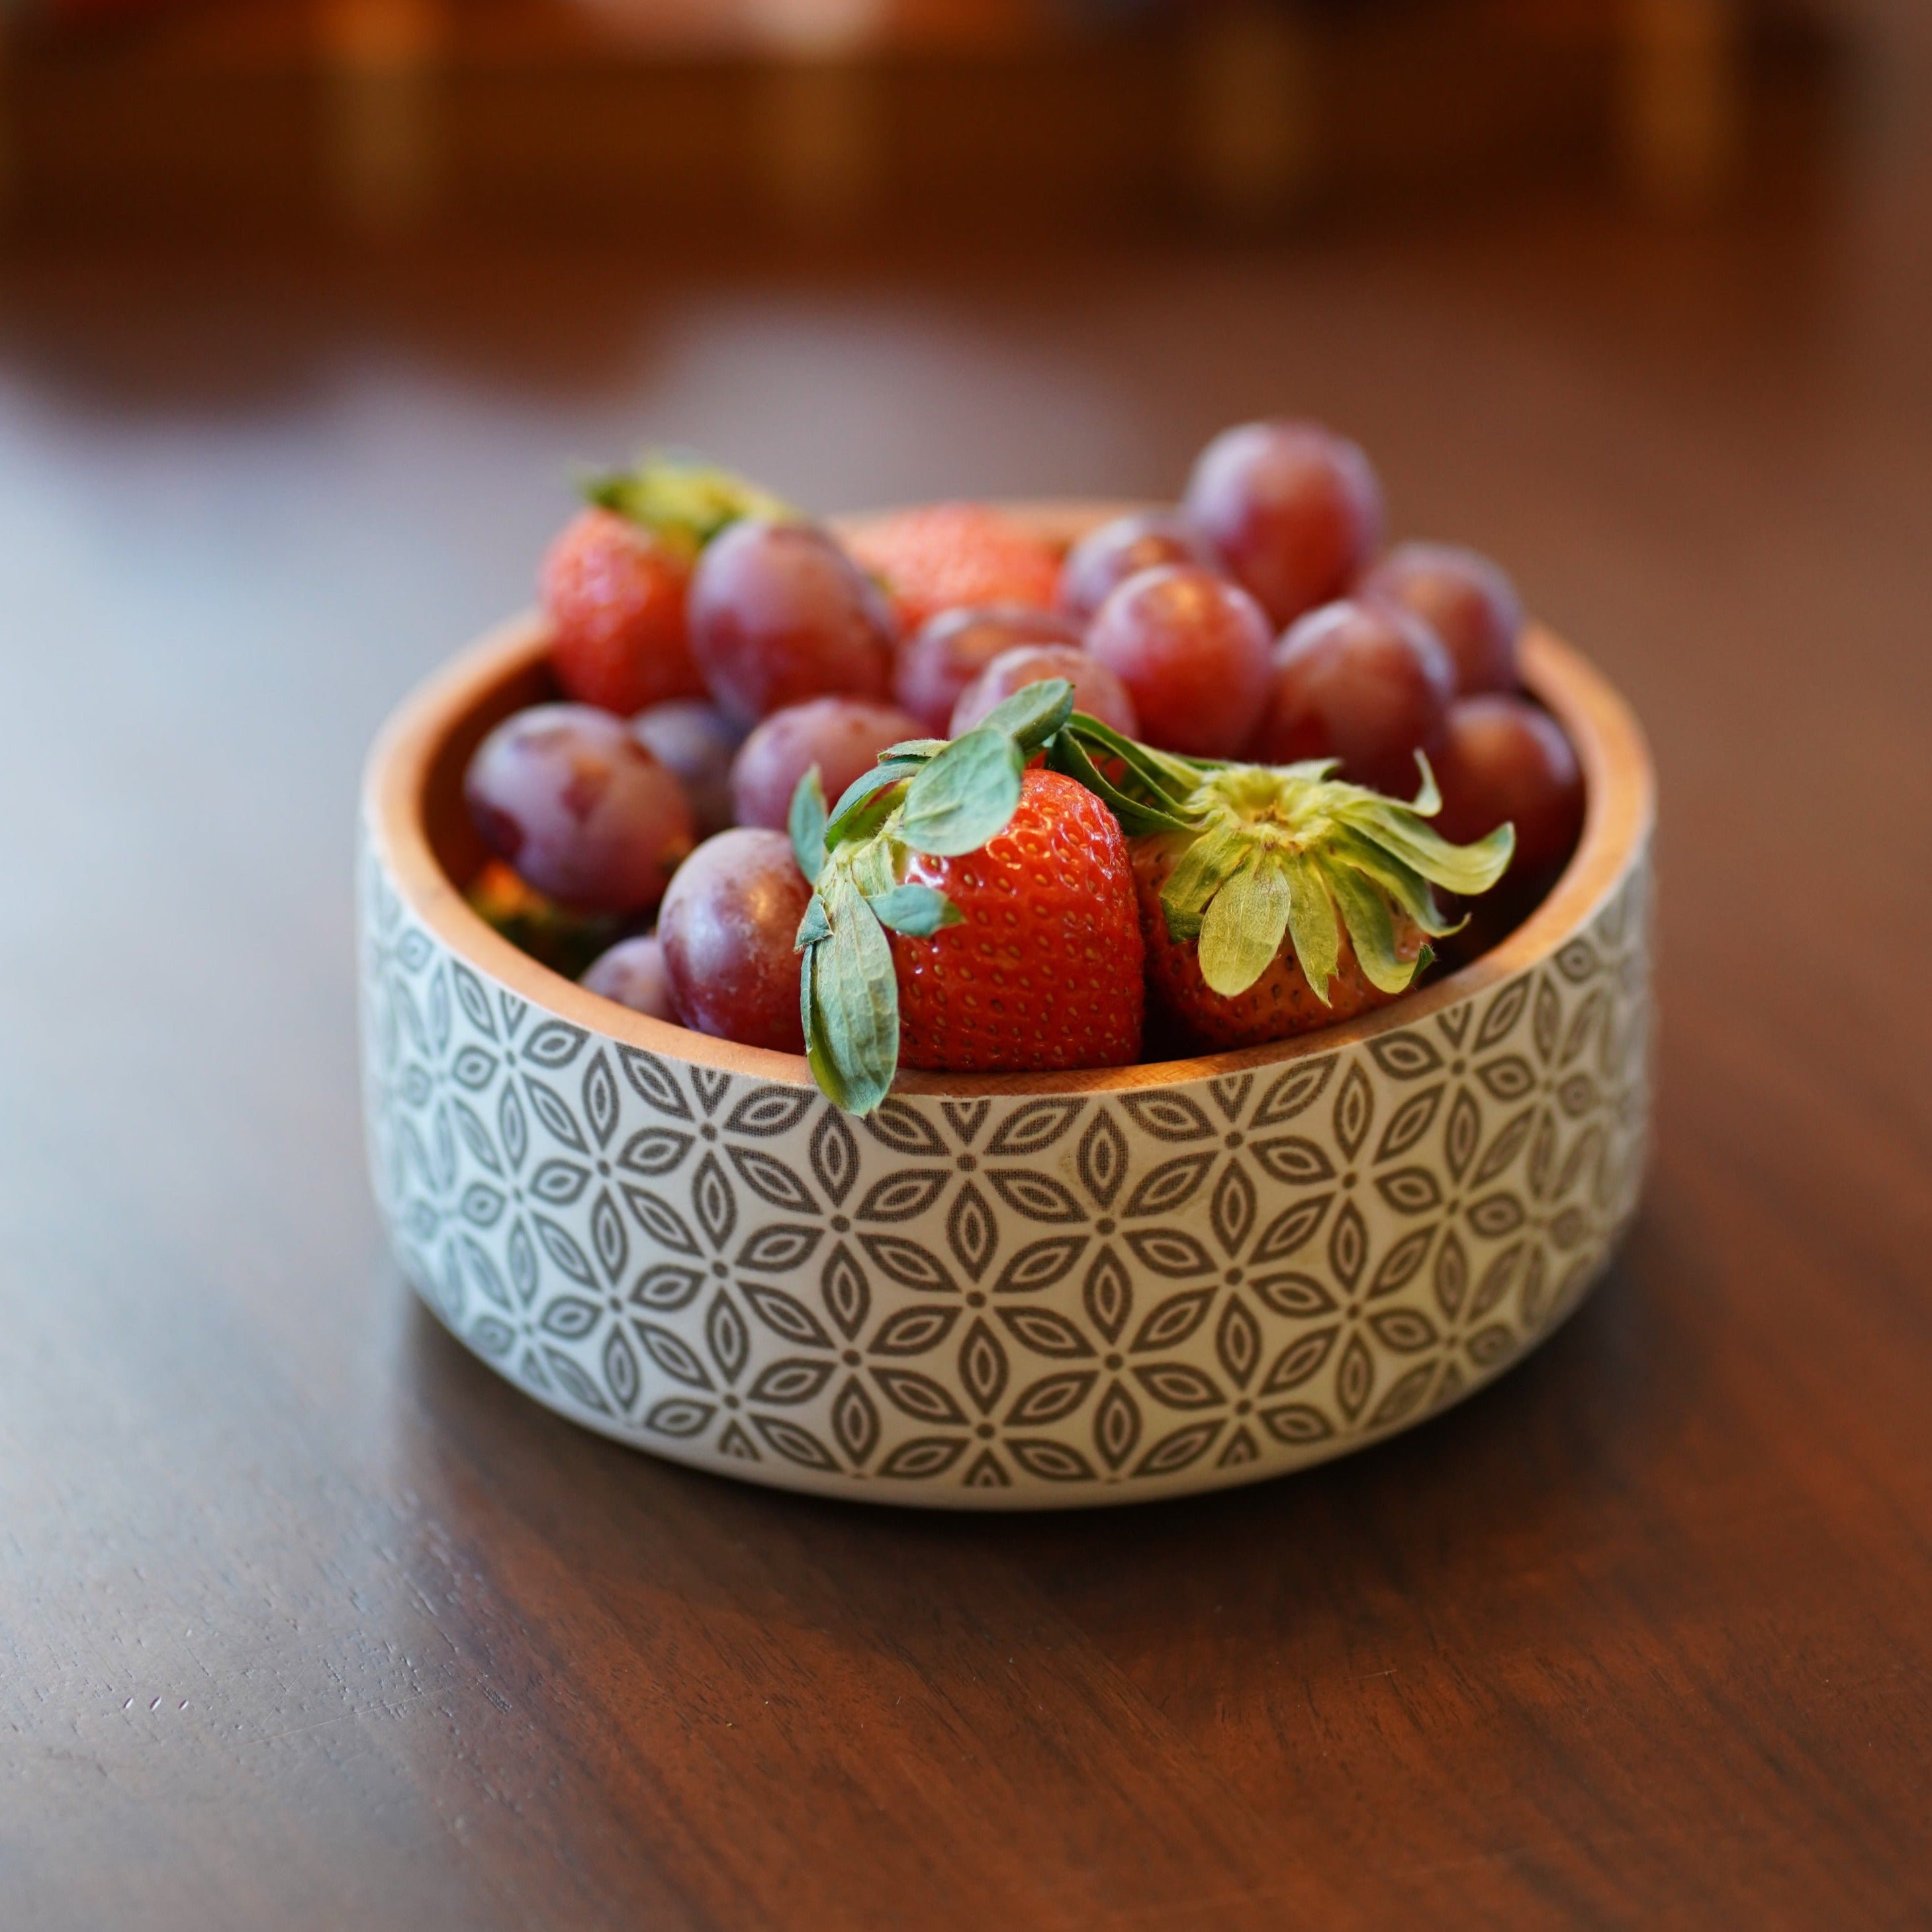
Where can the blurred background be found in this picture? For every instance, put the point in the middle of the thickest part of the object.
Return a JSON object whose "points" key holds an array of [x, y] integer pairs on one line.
{"points": [[655, 121], [873, 247]]}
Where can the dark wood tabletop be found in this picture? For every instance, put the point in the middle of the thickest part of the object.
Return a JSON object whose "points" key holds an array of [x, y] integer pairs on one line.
{"points": [[307, 1620]]}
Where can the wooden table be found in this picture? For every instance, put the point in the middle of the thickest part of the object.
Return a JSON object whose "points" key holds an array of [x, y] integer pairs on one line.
{"points": [[306, 1621]]}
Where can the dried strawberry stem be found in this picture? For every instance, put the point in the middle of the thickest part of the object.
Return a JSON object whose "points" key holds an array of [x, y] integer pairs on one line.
{"points": [[1285, 853], [680, 497]]}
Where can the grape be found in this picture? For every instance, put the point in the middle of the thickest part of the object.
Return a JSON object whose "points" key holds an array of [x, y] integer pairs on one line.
{"points": [[945, 655], [780, 613], [843, 736], [1504, 758], [728, 925], [1122, 549], [1293, 510], [1192, 650], [1368, 685], [564, 794], [1466, 600], [698, 742], [1096, 690], [633, 973]]}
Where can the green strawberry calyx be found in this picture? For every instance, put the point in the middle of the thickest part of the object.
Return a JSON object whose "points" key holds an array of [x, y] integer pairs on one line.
{"points": [[934, 796], [680, 498], [1277, 852]]}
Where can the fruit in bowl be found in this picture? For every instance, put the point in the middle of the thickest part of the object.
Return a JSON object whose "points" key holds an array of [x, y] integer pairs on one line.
{"points": [[1096, 690], [1050, 1116], [1228, 840], [952, 556], [567, 797], [950, 651]]}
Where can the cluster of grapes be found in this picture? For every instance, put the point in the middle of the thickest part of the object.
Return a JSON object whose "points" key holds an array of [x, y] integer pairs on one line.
{"points": [[708, 669]]}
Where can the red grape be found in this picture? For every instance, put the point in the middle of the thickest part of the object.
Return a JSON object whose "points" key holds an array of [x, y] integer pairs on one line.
{"points": [[780, 613], [1122, 549], [632, 973], [698, 742], [1192, 650], [1504, 758], [1466, 600], [1096, 690], [843, 736], [566, 795], [728, 925], [1368, 685], [943, 656], [1293, 510], [614, 593]]}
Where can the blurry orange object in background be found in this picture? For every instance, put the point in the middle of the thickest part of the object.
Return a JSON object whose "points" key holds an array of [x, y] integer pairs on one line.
{"points": [[917, 117]]}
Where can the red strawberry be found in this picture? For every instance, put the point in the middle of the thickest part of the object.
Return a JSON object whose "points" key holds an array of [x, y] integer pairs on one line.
{"points": [[614, 591], [1275, 899], [969, 913], [945, 555], [1277, 1006], [1044, 970]]}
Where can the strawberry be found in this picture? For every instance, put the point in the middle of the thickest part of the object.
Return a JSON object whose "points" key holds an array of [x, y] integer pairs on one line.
{"points": [[1043, 971], [613, 582], [613, 592], [969, 913], [1275, 899], [945, 555], [1278, 1005]]}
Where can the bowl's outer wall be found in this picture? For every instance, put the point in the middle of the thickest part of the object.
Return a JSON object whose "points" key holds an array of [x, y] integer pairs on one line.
{"points": [[1017, 1301]]}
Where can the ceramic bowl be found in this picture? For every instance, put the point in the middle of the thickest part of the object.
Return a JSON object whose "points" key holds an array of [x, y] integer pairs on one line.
{"points": [[999, 1292]]}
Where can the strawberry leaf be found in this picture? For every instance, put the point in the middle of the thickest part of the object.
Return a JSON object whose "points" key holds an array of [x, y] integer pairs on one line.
{"points": [[1033, 712], [814, 926], [918, 911], [1466, 869], [866, 783], [1399, 881], [1312, 927], [1168, 777], [806, 824], [1068, 756], [1242, 929], [824, 1069], [965, 797], [915, 751], [852, 1018], [865, 805], [1371, 930], [1211, 863], [682, 498], [1428, 801]]}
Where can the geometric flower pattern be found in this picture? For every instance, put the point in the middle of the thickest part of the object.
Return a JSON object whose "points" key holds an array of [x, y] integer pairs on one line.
{"points": [[1009, 1302]]}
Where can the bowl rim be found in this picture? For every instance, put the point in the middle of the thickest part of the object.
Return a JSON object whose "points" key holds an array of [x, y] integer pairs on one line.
{"points": [[1620, 812]]}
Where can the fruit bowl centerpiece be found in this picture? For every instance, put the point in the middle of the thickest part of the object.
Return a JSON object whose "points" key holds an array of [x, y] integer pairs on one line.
{"points": [[1026, 1290]]}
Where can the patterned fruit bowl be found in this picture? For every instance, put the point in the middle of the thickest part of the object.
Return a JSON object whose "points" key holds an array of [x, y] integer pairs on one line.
{"points": [[997, 1292]]}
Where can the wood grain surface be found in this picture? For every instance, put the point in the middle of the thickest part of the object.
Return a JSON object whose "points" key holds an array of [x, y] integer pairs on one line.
{"points": [[307, 1620]]}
